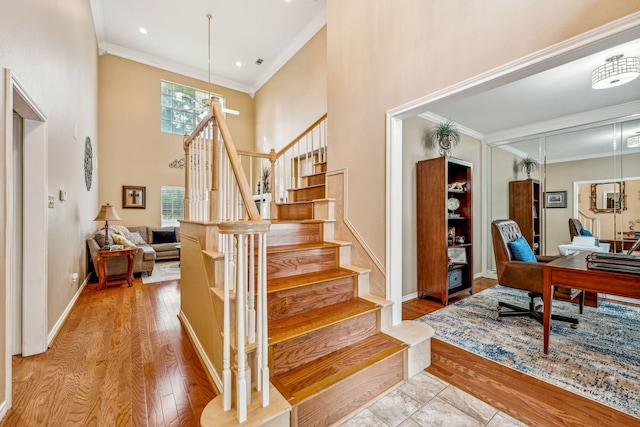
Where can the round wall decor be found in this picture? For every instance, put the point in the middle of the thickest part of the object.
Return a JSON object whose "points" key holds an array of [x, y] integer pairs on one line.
{"points": [[88, 163]]}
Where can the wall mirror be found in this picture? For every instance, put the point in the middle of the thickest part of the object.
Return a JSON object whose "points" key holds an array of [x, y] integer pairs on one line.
{"points": [[608, 197]]}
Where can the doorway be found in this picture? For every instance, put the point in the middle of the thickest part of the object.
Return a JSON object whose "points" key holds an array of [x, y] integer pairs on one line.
{"points": [[26, 223]]}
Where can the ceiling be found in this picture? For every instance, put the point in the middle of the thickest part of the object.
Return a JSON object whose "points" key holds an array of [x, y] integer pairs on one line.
{"points": [[177, 36], [559, 92], [177, 40]]}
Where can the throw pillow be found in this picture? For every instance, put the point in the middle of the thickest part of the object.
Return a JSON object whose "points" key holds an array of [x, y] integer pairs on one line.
{"points": [[585, 232], [522, 251], [136, 238], [99, 236], [160, 236], [119, 239]]}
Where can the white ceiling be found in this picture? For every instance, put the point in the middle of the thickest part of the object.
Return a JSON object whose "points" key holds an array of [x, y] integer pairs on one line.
{"points": [[274, 30], [178, 35]]}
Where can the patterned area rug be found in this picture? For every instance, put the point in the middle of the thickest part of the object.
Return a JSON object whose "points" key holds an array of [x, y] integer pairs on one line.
{"points": [[163, 271], [599, 360]]}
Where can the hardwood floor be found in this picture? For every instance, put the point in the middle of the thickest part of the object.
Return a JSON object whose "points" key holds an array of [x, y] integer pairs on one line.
{"points": [[121, 359], [532, 401]]}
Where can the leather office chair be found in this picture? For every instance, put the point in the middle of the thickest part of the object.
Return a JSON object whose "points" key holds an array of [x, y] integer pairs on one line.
{"points": [[527, 276], [574, 228]]}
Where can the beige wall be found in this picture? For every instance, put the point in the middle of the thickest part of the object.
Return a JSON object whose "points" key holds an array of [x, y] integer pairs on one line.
{"points": [[413, 150], [293, 98], [133, 150], [51, 49], [382, 54]]}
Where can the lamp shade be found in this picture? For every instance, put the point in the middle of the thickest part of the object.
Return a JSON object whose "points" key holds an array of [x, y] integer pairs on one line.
{"points": [[107, 213]]}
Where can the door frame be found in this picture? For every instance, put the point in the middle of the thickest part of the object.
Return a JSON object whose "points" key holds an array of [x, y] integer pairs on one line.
{"points": [[584, 44], [35, 235]]}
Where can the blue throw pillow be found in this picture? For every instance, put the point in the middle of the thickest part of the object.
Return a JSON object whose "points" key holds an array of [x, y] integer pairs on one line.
{"points": [[522, 251], [585, 232]]}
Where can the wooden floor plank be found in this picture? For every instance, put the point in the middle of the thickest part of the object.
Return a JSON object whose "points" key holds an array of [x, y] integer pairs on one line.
{"points": [[120, 359]]}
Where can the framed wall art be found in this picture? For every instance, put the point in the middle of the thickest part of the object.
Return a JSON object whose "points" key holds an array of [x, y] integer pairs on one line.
{"points": [[134, 197], [555, 199]]}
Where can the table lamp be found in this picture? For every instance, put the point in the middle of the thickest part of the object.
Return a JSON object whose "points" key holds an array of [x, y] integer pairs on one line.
{"points": [[107, 213]]}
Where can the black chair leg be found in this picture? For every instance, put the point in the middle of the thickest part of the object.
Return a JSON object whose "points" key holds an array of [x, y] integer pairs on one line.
{"points": [[533, 312]]}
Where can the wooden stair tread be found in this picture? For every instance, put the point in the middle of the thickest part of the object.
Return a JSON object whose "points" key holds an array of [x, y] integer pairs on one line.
{"points": [[310, 378], [299, 247], [307, 202], [307, 187], [299, 280], [312, 320]]}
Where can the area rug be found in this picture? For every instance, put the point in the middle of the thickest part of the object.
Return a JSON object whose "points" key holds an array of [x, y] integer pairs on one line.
{"points": [[163, 271], [599, 360]]}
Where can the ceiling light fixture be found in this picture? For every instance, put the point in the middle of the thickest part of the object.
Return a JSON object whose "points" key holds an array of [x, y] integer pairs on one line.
{"points": [[238, 64], [143, 30], [633, 141], [615, 72]]}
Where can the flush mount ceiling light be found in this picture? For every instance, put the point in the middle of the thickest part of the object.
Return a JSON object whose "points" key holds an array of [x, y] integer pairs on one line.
{"points": [[615, 72]]}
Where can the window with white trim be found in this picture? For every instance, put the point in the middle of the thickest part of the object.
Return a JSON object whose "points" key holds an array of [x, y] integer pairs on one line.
{"points": [[181, 107], [172, 199]]}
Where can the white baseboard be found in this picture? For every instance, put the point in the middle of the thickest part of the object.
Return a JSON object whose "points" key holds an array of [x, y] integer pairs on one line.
{"points": [[56, 328], [200, 350], [4, 408], [408, 297]]}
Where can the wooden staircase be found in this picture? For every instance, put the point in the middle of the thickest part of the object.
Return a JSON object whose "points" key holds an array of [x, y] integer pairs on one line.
{"points": [[326, 353]]}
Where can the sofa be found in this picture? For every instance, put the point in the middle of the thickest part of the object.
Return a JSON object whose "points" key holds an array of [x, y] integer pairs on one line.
{"points": [[151, 244]]}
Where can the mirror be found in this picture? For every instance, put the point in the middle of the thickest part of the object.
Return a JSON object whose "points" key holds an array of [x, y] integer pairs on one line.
{"points": [[608, 197]]}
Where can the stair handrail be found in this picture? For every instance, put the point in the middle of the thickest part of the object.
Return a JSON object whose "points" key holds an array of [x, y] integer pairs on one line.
{"points": [[311, 142], [217, 191]]}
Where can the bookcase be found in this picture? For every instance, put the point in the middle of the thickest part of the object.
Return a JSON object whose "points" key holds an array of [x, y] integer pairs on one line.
{"points": [[524, 208], [444, 228]]}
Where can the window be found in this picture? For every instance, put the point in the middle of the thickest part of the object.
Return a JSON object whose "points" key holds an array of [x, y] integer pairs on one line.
{"points": [[182, 107], [172, 205]]}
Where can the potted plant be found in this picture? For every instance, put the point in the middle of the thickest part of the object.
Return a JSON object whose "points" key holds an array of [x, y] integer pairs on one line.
{"points": [[528, 165], [445, 135]]}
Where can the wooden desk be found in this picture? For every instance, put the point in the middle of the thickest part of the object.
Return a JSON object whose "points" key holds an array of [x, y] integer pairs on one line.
{"points": [[103, 274], [571, 271]]}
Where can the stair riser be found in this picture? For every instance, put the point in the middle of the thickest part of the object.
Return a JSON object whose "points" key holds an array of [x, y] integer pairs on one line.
{"points": [[350, 394], [298, 351], [315, 180], [295, 212], [293, 301], [307, 194], [294, 234], [283, 264]]}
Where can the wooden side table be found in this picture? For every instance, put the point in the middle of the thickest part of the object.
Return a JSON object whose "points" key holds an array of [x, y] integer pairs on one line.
{"points": [[103, 274]]}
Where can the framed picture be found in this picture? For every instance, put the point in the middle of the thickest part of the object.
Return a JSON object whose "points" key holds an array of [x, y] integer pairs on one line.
{"points": [[555, 199], [134, 197], [457, 255]]}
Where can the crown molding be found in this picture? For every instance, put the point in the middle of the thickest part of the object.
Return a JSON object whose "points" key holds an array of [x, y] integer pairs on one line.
{"points": [[296, 44], [172, 66], [556, 125], [462, 129]]}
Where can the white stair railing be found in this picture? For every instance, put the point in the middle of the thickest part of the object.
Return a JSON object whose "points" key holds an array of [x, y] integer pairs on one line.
{"points": [[217, 191], [290, 164], [591, 223]]}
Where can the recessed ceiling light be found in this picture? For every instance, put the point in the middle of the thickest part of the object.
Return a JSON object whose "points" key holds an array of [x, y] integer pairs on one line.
{"points": [[143, 30], [288, 1], [238, 64]]}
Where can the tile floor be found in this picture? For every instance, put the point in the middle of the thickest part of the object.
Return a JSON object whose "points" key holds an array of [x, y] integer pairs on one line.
{"points": [[426, 400]]}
